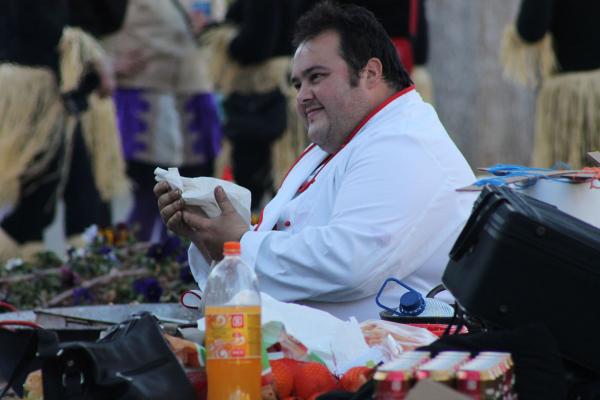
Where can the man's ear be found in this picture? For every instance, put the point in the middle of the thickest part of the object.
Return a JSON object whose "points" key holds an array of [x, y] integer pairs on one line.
{"points": [[373, 72]]}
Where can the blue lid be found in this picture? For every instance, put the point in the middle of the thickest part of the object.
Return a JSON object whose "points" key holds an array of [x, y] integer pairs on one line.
{"points": [[411, 303]]}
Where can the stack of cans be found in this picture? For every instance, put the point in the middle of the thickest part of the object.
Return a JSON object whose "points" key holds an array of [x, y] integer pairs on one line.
{"points": [[443, 368], [488, 376], [394, 379]]}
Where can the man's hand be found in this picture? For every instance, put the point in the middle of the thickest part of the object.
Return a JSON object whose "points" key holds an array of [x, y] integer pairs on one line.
{"points": [[207, 234], [229, 226]]}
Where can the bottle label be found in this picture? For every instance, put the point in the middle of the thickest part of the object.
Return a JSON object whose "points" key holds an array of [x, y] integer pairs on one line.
{"points": [[232, 332]]}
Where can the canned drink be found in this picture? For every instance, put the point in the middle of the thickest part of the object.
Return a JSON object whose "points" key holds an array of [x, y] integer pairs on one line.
{"points": [[394, 379], [507, 367], [392, 385], [443, 367], [488, 376], [408, 359], [464, 355], [480, 379]]}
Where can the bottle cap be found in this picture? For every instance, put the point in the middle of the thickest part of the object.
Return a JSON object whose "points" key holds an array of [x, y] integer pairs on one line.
{"points": [[411, 303], [230, 248]]}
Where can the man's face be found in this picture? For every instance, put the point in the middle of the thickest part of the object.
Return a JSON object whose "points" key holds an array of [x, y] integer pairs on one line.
{"points": [[327, 103]]}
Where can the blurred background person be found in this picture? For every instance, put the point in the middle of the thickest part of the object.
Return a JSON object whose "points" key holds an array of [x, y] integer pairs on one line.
{"points": [[405, 21], [250, 62], [167, 113], [58, 138], [554, 44]]}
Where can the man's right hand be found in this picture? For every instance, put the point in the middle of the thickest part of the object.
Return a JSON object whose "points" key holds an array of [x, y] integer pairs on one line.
{"points": [[170, 207], [192, 222]]}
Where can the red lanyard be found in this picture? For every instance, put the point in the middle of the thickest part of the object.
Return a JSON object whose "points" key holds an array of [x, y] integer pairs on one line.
{"points": [[316, 172], [321, 166]]}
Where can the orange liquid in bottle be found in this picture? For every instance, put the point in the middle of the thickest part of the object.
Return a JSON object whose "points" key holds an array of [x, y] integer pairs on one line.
{"points": [[233, 345]]}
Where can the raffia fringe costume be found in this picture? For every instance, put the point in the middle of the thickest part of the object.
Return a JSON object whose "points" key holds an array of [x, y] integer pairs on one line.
{"points": [[228, 76], [34, 124], [424, 84], [567, 122]]}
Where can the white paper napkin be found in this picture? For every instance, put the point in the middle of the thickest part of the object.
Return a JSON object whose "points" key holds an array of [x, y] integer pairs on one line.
{"points": [[200, 192]]}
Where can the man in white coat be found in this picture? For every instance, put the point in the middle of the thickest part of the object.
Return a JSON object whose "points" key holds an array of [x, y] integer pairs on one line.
{"points": [[372, 197]]}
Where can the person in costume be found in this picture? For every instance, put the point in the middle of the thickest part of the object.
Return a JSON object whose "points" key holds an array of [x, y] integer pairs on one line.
{"points": [[58, 134], [405, 21], [167, 113], [554, 46], [251, 55], [372, 197]]}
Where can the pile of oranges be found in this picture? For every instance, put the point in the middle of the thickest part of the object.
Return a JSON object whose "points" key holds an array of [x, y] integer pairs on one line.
{"points": [[300, 380]]}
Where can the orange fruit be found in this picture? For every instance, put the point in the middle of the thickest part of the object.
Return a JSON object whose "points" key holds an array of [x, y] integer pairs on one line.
{"points": [[283, 375], [315, 396], [355, 377], [311, 378], [290, 362]]}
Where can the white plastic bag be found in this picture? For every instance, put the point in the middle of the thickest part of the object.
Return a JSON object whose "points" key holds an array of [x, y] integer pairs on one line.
{"points": [[395, 337]]}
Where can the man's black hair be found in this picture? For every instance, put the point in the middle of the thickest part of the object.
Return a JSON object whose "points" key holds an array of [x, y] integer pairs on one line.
{"points": [[361, 38]]}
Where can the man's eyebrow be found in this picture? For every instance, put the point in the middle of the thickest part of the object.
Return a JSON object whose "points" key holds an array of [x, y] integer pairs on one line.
{"points": [[307, 72]]}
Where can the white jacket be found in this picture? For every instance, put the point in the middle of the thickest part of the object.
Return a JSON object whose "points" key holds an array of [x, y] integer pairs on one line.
{"points": [[384, 206]]}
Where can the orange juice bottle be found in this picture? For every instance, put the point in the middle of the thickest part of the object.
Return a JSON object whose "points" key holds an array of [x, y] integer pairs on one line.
{"points": [[233, 329]]}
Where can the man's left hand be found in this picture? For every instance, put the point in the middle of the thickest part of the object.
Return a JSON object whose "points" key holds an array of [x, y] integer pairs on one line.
{"points": [[229, 226]]}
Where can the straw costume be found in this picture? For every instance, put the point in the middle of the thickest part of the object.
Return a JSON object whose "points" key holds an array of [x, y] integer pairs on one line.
{"points": [[48, 140], [554, 46]]}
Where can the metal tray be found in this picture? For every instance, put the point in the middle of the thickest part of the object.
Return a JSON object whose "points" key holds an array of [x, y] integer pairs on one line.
{"points": [[86, 319]]}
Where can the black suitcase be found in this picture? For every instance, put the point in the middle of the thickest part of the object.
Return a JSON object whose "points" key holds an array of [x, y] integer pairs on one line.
{"points": [[519, 260]]}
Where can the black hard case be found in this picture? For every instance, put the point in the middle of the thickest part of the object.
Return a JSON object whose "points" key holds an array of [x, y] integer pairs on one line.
{"points": [[519, 260]]}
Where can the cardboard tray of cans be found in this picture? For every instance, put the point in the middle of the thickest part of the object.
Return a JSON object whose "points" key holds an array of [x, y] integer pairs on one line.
{"points": [[489, 375]]}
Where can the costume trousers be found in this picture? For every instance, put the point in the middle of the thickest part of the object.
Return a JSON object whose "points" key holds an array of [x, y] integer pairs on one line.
{"points": [[252, 167], [36, 208]]}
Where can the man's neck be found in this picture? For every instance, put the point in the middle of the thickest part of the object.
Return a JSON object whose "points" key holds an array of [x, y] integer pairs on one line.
{"points": [[379, 98], [378, 103]]}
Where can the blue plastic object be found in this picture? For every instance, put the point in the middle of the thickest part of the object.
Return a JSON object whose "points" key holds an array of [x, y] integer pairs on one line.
{"points": [[411, 302], [502, 172]]}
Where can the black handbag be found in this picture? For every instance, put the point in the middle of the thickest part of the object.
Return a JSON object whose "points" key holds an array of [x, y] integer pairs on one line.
{"points": [[260, 116], [132, 361], [18, 355]]}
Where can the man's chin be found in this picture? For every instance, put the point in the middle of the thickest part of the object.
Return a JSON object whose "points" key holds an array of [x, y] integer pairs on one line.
{"points": [[314, 137]]}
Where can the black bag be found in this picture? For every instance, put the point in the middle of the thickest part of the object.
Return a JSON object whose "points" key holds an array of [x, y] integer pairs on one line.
{"points": [[260, 116], [132, 361], [519, 261], [18, 355]]}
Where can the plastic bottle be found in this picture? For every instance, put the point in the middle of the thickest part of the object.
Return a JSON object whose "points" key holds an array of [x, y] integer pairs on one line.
{"points": [[233, 329]]}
